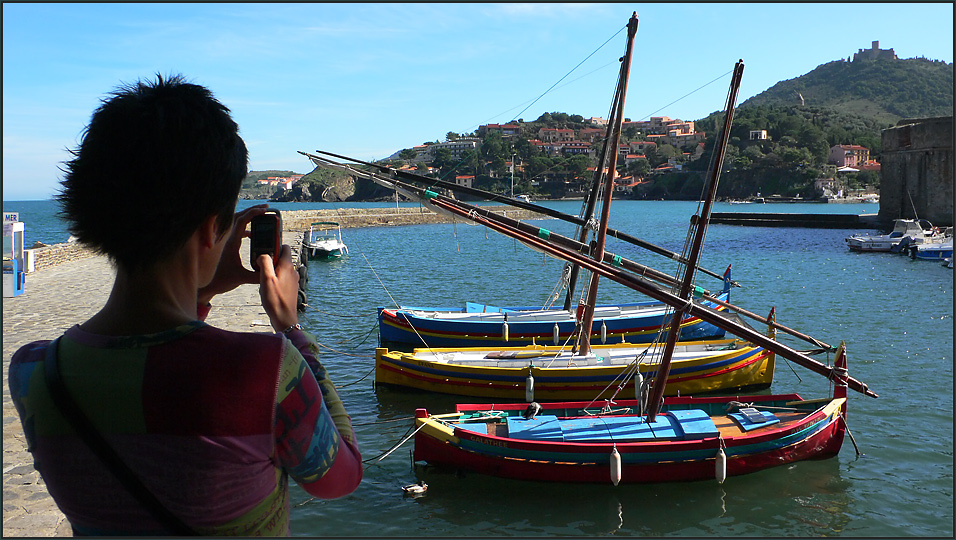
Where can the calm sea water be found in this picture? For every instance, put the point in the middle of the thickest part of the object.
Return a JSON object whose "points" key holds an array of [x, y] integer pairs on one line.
{"points": [[895, 314]]}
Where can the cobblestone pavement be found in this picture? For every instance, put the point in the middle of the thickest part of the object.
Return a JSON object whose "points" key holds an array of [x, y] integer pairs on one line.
{"points": [[55, 299]]}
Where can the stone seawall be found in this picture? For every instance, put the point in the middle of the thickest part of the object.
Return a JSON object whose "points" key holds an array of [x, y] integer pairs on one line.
{"points": [[297, 222], [50, 256]]}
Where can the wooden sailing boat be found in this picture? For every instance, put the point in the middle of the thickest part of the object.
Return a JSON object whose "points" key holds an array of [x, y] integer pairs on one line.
{"points": [[549, 373], [673, 439], [496, 370]]}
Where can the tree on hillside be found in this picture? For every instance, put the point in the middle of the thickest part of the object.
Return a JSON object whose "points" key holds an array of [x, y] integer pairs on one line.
{"points": [[443, 159], [536, 166], [639, 168], [577, 164], [470, 163]]}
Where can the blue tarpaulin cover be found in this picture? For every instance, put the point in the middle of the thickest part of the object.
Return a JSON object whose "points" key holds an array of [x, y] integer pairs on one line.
{"points": [[692, 424]]}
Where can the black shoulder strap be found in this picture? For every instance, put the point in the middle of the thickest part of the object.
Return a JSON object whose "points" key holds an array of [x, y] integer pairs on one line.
{"points": [[102, 449]]}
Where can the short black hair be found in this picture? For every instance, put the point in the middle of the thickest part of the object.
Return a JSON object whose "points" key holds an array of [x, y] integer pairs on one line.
{"points": [[156, 160]]}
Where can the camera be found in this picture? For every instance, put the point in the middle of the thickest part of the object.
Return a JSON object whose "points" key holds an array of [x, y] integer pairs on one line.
{"points": [[265, 236]]}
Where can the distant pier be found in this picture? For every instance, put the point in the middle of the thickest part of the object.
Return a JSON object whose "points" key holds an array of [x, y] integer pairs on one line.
{"points": [[812, 221], [299, 220]]}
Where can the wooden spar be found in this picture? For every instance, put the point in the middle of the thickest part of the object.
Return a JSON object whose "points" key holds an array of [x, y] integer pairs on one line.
{"points": [[568, 243], [587, 317], [772, 323], [645, 287], [544, 210], [545, 241], [592, 195], [609, 258], [700, 228]]}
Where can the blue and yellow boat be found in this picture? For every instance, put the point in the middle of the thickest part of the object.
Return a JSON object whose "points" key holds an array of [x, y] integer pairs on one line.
{"points": [[549, 373]]}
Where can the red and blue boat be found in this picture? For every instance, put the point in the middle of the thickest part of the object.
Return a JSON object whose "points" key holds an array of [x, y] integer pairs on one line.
{"points": [[693, 438]]}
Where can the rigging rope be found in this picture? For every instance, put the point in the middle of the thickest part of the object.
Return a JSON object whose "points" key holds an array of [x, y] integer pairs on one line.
{"points": [[568, 73], [686, 95]]}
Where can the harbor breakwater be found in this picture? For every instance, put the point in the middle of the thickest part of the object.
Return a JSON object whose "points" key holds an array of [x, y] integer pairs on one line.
{"points": [[293, 221], [299, 220]]}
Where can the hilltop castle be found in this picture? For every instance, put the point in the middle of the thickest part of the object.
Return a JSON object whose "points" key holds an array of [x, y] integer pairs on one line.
{"points": [[874, 53]]}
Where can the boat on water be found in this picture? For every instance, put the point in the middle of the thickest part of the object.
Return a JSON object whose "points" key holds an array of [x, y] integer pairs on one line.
{"points": [[933, 251], [324, 241], [651, 438], [913, 231], [481, 325], [933, 248], [693, 438], [549, 373], [524, 198]]}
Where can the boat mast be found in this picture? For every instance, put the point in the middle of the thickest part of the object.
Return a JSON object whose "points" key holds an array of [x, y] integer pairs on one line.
{"points": [[587, 317], [591, 198], [618, 269], [700, 224]]}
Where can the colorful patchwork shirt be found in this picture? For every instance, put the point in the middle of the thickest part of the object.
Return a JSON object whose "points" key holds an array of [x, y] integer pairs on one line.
{"points": [[213, 422]]}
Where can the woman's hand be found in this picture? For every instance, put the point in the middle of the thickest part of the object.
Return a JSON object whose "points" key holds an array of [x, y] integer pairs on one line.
{"points": [[231, 273], [279, 289]]}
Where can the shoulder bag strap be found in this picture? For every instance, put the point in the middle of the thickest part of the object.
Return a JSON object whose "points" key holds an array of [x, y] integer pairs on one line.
{"points": [[84, 427]]}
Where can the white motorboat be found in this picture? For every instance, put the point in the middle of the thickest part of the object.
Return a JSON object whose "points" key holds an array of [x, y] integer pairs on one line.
{"points": [[324, 241], [936, 248], [916, 230]]}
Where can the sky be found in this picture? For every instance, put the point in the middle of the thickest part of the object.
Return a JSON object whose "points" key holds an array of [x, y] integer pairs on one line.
{"points": [[367, 80]]}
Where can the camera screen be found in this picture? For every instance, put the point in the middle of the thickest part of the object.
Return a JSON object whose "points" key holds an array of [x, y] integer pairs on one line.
{"points": [[263, 235]]}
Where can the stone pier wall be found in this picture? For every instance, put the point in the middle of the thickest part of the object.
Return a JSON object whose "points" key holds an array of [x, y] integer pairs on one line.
{"points": [[295, 223], [49, 256]]}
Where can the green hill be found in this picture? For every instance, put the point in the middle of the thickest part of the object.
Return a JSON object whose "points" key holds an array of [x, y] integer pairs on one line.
{"points": [[840, 102], [885, 90]]}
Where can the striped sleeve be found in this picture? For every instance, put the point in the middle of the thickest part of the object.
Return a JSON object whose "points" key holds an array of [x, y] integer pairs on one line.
{"points": [[310, 444]]}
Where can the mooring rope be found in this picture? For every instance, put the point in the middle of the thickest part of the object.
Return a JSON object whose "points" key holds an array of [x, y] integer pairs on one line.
{"points": [[320, 344], [397, 306], [393, 448]]}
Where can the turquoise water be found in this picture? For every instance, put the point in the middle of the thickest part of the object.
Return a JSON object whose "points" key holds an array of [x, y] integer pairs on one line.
{"points": [[895, 314]]}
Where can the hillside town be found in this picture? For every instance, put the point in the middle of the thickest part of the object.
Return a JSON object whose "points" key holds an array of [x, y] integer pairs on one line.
{"points": [[683, 141]]}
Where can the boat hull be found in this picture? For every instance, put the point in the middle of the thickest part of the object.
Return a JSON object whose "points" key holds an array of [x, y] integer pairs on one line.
{"points": [[324, 254], [932, 252], [818, 434], [480, 326], [871, 244], [738, 368]]}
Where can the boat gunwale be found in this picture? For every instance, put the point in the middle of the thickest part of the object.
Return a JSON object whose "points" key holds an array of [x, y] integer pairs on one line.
{"points": [[809, 422]]}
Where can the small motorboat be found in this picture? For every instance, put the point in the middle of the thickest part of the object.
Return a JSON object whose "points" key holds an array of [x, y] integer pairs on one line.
{"points": [[324, 241], [934, 249], [915, 231]]}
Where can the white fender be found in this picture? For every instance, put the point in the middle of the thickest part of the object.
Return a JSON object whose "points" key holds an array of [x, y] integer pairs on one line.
{"points": [[721, 464], [529, 387], [638, 382], [504, 331], [603, 332], [556, 332], [615, 466]]}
